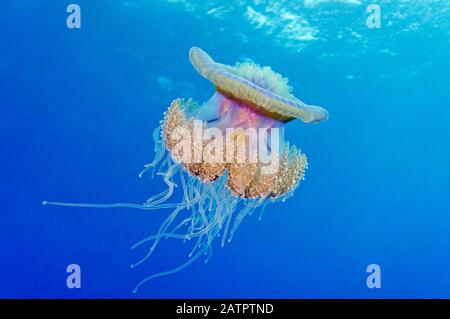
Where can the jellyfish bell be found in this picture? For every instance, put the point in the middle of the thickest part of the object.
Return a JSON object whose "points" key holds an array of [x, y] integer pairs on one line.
{"points": [[227, 156], [260, 88]]}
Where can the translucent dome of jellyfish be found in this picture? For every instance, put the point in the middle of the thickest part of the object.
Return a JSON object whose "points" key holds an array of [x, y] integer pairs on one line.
{"points": [[227, 156]]}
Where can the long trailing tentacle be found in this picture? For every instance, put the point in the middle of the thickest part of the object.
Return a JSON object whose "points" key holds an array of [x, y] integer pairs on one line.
{"points": [[168, 179], [172, 271], [248, 209], [114, 205], [161, 234], [160, 149], [162, 229]]}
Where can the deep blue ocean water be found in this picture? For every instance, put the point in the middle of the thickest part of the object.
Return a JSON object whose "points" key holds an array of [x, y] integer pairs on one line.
{"points": [[77, 109]]}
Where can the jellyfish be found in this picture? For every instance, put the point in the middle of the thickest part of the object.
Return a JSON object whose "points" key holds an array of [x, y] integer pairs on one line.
{"points": [[226, 158]]}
